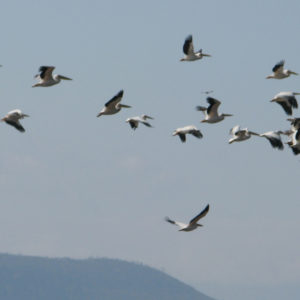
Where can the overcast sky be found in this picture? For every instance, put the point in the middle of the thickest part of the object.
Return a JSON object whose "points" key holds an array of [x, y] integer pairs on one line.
{"points": [[79, 186]]}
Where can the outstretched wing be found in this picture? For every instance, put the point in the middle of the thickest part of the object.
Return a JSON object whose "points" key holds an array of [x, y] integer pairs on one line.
{"points": [[201, 215], [286, 107], [182, 137], [16, 124], [278, 67], [115, 99], [46, 72], [188, 47], [213, 105], [196, 133]]}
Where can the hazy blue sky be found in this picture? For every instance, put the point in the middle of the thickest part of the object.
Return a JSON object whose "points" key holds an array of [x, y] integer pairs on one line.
{"points": [[79, 186]]}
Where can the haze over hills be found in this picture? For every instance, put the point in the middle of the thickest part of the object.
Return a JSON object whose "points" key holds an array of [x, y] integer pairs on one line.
{"points": [[36, 278]]}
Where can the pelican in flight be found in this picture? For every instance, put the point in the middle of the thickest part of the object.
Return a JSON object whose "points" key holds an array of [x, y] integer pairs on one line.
{"points": [[211, 112], [12, 118], [239, 135], [279, 72], [134, 122], [113, 106], [188, 50], [287, 100], [46, 78], [294, 143], [274, 138], [193, 223], [181, 132]]}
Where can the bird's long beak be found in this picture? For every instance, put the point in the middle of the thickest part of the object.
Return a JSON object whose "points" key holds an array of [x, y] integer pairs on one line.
{"points": [[272, 100], [294, 73], [227, 115], [208, 55], [64, 77], [124, 105], [296, 93], [203, 121], [24, 115], [182, 59], [268, 77]]}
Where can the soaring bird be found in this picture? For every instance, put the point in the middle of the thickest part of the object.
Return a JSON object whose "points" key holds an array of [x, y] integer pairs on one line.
{"points": [[211, 112], [193, 223], [239, 135], [274, 138], [294, 143], [113, 106], [279, 72], [287, 100], [46, 78], [188, 50], [181, 132], [12, 118], [134, 122]]}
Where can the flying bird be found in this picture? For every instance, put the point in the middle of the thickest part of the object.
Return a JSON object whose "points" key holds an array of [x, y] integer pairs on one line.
{"points": [[274, 138], [211, 112], [279, 72], [193, 223], [181, 132], [12, 118], [239, 135], [188, 50], [113, 106], [134, 122], [287, 100], [46, 78]]}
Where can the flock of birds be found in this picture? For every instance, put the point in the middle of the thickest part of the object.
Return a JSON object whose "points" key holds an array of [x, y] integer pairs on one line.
{"points": [[287, 100]]}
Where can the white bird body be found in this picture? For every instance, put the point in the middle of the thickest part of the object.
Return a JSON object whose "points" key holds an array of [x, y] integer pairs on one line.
{"points": [[287, 101], [279, 72], [46, 78], [134, 121], [113, 106], [211, 112], [239, 135], [181, 132], [12, 118], [188, 49], [193, 222]]}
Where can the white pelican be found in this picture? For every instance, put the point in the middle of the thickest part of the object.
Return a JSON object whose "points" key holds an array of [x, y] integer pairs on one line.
{"points": [[295, 142], [113, 105], [134, 122], [12, 118], [211, 112], [239, 135], [193, 223], [287, 100], [188, 50], [181, 132], [274, 138], [279, 72], [46, 78]]}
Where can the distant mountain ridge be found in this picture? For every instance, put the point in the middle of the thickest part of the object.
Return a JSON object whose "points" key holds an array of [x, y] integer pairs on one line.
{"points": [[38, 278]]}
